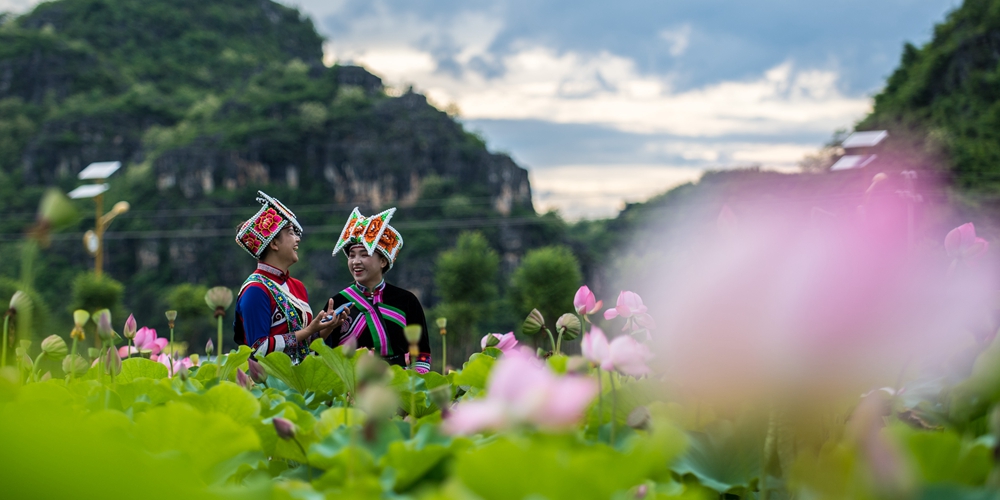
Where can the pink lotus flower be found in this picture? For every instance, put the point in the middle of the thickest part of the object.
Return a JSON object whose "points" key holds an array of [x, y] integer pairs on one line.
{"points": [[623, 354], [631, 308], [130, 326], [629, 304], [523, 390], [507, 341], [962, 243], [145, 340], [174, 367], [585, 302]]}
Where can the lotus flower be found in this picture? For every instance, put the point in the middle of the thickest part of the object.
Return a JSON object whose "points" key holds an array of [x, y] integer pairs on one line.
{"points": [[174, 367], [623, 354], [284, 427], [145, 340], [631, 308], [523, 390], [243, 380], [129, 330], [585, 302], [104, 330], [505, 342], [962, 243], [257, 372]]}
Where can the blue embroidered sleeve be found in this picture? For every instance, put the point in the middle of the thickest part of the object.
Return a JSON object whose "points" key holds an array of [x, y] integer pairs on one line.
{"points": [[255, 308]]}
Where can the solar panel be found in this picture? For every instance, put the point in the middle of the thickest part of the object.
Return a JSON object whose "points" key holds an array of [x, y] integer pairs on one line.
{"points": [[87, 191], [865, 139], [852, 161], [99, 170]]}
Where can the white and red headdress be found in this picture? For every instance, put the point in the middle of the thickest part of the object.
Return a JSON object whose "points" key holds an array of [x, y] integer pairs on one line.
{"points": [[255, 234], [373, 233]]}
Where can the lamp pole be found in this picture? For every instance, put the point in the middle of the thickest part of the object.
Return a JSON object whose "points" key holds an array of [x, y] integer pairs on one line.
{"points": [[94, 240]]}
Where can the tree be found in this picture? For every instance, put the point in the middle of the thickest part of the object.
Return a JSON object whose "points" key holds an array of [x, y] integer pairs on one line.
{"points": [[546, 280], [466, 279]]}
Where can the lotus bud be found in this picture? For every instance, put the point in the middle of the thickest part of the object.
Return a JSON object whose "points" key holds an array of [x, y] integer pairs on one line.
{"points": [[492, 340], [219, 298], [641, 491], [209, 347], [56, 209], [242, 379], [378, 401], [104, 330], [26, 361], [370, 369], [112, 361], [569, 326], [533, 323], [638, 418], [284, 427], [75, 364], [413, 333], [54, 347], [257, 372], [171, 317], [350, 347], [47, 376], [441, 396], [130, 327]]}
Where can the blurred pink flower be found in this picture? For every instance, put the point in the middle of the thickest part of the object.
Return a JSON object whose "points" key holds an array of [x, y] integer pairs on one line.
{"points": [[631, 308], [594, 346], [507, 341], [727, 221], [178, 366], [145, 339], [962, 242], [623, 354], [585, 302], [629, 304], [523, 390]]}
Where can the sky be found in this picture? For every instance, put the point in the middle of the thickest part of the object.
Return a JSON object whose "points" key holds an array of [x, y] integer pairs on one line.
{"points": [[607, 102]]}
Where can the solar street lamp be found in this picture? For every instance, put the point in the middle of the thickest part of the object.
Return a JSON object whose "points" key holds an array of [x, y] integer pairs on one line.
{"points": [[93, 240]]}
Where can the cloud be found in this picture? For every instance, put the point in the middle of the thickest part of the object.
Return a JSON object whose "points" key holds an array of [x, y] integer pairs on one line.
{"points": [[678, 38], [18, 6]]}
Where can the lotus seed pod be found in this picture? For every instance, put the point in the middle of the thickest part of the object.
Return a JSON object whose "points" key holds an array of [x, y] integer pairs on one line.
{"points": [[569, 326], [413, 333], [533, 323], [54, 347], [378, 401], [75, 364]]}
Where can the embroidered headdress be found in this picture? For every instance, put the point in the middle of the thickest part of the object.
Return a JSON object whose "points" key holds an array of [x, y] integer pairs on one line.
{"points": [[255, 234], [373, 233]]}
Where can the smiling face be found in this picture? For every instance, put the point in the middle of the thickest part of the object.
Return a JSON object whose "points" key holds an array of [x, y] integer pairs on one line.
{"points": [[283, 251], [365, 269]]}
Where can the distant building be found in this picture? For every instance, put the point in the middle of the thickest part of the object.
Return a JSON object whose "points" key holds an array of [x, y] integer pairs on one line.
{"points": [[860, 149]]}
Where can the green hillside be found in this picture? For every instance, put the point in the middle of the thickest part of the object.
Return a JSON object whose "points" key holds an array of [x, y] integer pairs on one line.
{"points": [[207, 102]]}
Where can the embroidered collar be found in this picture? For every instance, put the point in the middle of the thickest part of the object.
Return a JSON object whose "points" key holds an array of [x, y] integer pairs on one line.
{"points": [[277, 275], [368, 293]]}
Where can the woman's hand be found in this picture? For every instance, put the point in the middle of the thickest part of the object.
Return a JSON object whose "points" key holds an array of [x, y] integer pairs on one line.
{"points": [[327, 327]]}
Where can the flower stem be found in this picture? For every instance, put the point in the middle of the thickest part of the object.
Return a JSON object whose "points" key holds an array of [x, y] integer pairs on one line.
{"points": [[218, 347], [34, 369], [72, 354], [600, 398], [306, 457], [3, 357], [128, 354], [559, 342], [413, 409], [614, 406], [444, 355], [172, 349], [551, 339]]}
